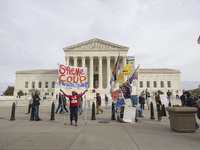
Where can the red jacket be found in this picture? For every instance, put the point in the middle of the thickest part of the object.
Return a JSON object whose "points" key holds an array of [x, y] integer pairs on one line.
{"points": [[74, 99]]}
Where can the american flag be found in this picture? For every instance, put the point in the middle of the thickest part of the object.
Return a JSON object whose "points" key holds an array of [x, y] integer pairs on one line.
{"points": [[198, 41]]}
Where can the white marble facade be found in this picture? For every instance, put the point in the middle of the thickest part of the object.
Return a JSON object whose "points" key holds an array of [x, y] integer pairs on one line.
{"points": [[99, 57]]}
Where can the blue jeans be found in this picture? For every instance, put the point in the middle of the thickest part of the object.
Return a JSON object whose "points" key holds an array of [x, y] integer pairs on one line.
{"points": [[196, 124], [36, 112], [80, 109], [168, 97], [74, 111], [59, 105], [64, 108], [106, 102]]}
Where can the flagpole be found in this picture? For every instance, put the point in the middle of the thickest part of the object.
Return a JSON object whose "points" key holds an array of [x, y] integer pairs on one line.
{"points": [[62, 101]]}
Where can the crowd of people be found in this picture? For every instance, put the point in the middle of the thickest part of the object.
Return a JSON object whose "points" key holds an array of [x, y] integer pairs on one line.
{"points": [[187, 99], [76, 102]]}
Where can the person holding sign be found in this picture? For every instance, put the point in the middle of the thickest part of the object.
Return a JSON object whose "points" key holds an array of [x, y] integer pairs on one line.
{"points": [[73, 105]]}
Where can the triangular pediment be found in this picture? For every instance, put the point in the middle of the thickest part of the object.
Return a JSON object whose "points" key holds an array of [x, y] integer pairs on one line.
{"points": [[96, 44]]}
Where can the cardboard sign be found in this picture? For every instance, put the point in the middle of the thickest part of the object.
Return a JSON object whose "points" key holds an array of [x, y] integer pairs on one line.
{"points": [[116, 94], [70, 76], [120, 102], [126, 92], [129, 114]]}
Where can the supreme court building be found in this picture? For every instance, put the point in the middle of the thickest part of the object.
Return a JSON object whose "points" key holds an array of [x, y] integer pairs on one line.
{"points": [[99, 57]]}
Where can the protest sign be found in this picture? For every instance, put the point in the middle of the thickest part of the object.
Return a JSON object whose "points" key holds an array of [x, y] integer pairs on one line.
{"points": [[120, 102], [116, 94], [164, 99], [126, 92], [129, 114], [70, 76]]}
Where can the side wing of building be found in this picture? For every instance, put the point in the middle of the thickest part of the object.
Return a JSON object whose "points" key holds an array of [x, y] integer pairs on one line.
{"points": [[43, 80], [159, 79]]}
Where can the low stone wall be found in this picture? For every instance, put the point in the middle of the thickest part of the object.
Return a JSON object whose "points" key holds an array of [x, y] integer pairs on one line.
{"points": [[25, 103]]}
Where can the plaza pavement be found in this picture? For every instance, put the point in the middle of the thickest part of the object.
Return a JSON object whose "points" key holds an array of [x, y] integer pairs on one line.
{"points": [[100, 134]]}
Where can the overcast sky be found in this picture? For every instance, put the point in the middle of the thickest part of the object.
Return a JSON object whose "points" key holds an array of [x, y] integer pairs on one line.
{"points": [[160, 33]]}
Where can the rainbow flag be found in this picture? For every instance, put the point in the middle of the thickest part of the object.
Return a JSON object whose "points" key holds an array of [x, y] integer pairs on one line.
{"points": [[134, 75], [114, 74]]}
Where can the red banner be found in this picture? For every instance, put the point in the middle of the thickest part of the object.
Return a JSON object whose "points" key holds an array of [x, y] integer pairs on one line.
{"points": [[116, 94]]}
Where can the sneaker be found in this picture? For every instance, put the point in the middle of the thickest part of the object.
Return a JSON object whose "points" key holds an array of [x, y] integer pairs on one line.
{"points": [[76, 124], [71, 123]]}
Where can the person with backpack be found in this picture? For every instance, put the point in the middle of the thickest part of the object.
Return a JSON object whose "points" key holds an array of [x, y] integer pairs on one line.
{"points": [[191, 102]]}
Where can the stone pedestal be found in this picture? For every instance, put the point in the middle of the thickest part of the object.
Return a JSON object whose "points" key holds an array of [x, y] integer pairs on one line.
{"points": [[182, 119]]}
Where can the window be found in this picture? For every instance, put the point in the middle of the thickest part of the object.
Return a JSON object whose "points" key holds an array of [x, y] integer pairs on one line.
{"points": [[169, 84], [148, 84], [154, 84], [141, 84], [52, 93], [53, 84], [161, 84], [40, 85], [26, 84], [46, 84], [33, 84]]}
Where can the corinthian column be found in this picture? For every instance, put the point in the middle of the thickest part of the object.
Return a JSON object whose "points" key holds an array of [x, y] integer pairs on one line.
{"points": [[67, 60], [75, 61], [83, 61], [108, 71], [100, 72], [91, 72]]}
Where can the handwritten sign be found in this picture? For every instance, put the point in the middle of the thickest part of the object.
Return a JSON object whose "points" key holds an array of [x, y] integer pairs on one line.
{"points": [[70, 76], [116, 94]]}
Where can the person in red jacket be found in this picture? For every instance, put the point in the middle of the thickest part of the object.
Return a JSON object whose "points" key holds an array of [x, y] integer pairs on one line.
{"points": [[74, 104]]}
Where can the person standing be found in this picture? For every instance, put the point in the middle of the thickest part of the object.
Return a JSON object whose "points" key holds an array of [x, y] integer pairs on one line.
{"points": [[183, 99], [149, 101], [98, 102], [64, 105], [168, 95], [59, 103], [141, 101], [73, 105], [80, 105], [147, 94], [106, 101], [36, 103], [177, 95], [159, 106], [191, 103], [30, 105]]}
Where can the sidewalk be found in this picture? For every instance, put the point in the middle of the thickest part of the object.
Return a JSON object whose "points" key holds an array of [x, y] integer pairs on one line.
{"points": [[100, 134]]}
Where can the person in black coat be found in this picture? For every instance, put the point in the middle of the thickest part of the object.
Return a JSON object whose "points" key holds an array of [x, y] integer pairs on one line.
{"points": [[36, 103], [191, 103], [141, 101]]}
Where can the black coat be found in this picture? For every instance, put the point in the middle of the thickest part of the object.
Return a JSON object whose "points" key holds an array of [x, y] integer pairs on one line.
{"points": [[190, 101], [36, 102], [141, 100]]}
